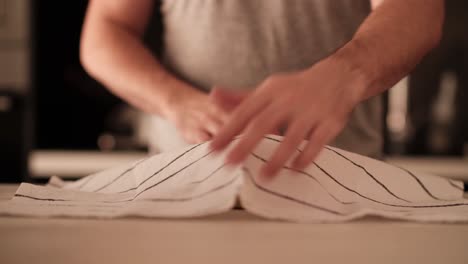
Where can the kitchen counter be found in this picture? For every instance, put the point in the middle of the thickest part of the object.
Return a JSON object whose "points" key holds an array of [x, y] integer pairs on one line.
{"points": [[234, 237]]}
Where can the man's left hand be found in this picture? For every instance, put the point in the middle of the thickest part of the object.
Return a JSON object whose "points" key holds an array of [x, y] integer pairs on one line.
{"points": [[313, 104]]}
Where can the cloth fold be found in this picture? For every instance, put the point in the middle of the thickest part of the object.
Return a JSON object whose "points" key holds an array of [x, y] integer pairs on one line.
{"points": [[195, 181]]}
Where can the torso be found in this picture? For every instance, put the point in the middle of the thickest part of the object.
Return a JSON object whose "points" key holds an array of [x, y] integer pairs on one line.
{"points": [[238, 43]]}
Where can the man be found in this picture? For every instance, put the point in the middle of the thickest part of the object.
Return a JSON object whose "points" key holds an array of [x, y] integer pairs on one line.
{"points": [[313, 67]]}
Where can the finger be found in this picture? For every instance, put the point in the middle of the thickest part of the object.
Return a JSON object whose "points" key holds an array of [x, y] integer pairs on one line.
{"points": [[217, 113], [294, 136], [221, 115], [197, 136], [239, 120], [254, 132], [212, 124], [227, 99], [275, 131], [318, 138], [203, 136]]}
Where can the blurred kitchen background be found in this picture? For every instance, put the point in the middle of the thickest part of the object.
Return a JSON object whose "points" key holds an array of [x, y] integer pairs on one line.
{"points": [[56, 120]]}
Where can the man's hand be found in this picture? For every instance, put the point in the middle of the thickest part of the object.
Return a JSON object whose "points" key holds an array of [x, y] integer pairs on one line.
{"points": [[315, 103], [312, 104], [228, 99], [196, 115]]}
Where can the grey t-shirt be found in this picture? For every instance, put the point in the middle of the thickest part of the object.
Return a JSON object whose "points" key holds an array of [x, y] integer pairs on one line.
{"points": [[238, 43]]}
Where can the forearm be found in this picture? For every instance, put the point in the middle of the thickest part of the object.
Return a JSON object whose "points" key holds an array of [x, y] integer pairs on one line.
{"points": [[116, 57], [391, 41]]}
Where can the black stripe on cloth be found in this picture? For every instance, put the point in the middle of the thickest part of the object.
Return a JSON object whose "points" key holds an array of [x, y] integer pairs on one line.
{"points": [[170, 176], [421, 184], [182, 199], [174, 174], [312, 177], [119, 176], [289, 198], [456, 186], [425, 189], [371, 199], [40, 199], [209, 175], [163, 168], [369, 174], [357, 165]]}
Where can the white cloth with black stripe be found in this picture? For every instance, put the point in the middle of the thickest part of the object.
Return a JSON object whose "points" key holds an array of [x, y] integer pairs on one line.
{"points": [[338, 186]]}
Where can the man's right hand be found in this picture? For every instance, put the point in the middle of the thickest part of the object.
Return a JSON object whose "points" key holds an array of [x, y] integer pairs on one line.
{"points": [[196, 115], [112, 51]]}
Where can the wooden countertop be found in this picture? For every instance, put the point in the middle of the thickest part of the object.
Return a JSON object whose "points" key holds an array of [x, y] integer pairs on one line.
{"points": [[234, 237]]}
